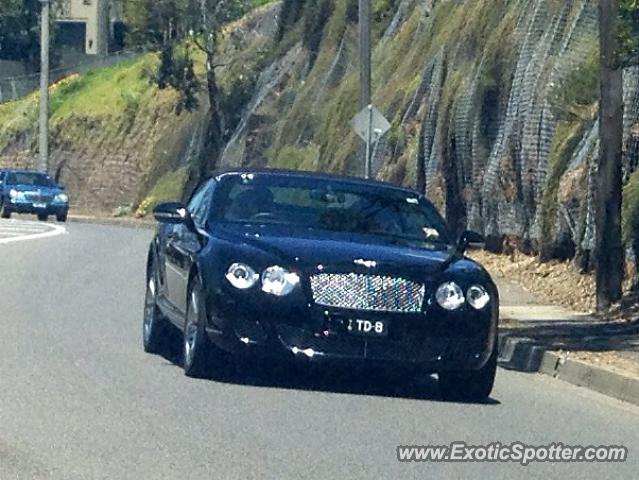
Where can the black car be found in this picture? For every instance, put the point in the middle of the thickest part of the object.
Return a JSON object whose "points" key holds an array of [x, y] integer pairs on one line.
{"points": [[320, 268], [26, 191]]}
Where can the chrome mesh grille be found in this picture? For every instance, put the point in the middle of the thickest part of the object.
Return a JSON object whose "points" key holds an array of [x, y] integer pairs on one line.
{"points": [[367, 292], [38, 197]]}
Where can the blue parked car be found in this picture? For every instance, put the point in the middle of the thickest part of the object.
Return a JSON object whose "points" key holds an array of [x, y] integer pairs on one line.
{"points": [[23, 191]]}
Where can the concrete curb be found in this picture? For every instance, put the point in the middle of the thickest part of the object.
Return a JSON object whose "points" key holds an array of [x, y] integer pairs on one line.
{"points": [[600, 379], [117, 221], [522, 354]]}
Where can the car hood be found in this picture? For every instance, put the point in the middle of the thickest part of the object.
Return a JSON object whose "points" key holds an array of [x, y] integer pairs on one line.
{"points": [[339, 251]]}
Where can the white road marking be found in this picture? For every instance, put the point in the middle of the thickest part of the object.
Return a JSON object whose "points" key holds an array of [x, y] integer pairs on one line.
{"points": [[18, 230], [23, 228]]}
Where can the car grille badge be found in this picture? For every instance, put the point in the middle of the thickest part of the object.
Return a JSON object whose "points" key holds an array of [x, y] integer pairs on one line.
{"points": [[365, 263]]}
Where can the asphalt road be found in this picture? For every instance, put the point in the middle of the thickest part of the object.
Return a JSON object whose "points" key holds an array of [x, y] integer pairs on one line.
{"points": [[80, 400]]}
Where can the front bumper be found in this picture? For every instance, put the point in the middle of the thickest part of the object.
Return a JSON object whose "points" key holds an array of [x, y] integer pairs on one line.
{"points": [[419, 340], [34, 208]]}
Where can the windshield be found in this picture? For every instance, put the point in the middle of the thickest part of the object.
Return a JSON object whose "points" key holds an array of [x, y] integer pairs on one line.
{"points": [[330, 205], [29, 178]]}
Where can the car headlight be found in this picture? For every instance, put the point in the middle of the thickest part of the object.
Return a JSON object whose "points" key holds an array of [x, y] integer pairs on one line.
{"points": [[61, 198], [16, 196], [450, 296], [279, 281], [241, 276], [477, 297]]}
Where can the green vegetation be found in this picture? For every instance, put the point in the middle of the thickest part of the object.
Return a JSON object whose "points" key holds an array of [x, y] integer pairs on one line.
{"points": [[16, 118], [170, 187], [566, 138], [631, 210], [104, 93], [304, 120], [579, 91], [119, 118], [20, 32], [160, 23], [297, 158]]}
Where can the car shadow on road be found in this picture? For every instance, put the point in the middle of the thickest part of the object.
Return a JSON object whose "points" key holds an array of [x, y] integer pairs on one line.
{"points": [[365, 381], [327, 378]]}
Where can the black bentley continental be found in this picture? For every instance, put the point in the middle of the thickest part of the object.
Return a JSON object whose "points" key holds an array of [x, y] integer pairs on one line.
{"points": [[319, 268]]}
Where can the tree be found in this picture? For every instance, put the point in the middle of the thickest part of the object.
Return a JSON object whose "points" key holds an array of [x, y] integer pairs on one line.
{"points": [[20, 31], [162, 24], [609, 255], [156, 23], [213, 14], [177, 70]]}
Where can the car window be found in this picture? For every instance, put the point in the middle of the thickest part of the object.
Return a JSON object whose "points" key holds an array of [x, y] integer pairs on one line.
{"points": [[30, 179], [200, 203], [334, 206]]}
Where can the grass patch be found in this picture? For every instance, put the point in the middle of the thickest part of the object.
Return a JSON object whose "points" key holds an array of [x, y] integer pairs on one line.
{"points": [[576, 94], [170, 187], [565, 140], [18, 117], [297, 158], [106, 92], [630, 211]]}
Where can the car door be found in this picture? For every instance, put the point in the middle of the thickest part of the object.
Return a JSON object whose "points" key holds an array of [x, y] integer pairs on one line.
{"points": [[182, 244]]}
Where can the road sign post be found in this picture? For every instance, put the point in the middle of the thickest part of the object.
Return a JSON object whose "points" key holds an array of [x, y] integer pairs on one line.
{"points": [[369, 139], [44, 86], [365, 69]]}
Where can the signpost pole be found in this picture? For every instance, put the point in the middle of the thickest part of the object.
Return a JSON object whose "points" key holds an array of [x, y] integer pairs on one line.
{"points": [[369, 141], [365, 68], [44, 86]]}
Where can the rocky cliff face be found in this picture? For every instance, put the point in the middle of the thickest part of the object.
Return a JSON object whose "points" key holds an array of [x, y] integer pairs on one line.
{"points": [[493, 106]]}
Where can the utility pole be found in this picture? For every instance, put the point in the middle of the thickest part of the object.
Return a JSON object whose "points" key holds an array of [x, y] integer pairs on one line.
{"points": [[608, 245], [365, 73], [44, 86]]}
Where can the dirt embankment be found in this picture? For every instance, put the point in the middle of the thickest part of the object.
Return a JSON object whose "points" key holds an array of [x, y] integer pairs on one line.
{"points": [[557, 283]]}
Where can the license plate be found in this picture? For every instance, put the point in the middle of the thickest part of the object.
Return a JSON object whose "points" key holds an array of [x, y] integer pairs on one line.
{"points": [[371, 328], [39, 205]]}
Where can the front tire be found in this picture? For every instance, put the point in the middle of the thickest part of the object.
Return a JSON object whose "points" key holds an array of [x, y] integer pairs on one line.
{"points": [[470, 386], [201, 357], [197, 347], [43, 217], [4, 212], [154, 327], [61, 218]]}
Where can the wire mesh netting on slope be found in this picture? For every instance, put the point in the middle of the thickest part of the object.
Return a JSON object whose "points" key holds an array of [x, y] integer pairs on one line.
{"points": [[492, 105]]}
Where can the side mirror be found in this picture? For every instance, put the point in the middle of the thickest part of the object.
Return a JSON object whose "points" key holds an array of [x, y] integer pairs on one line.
{"points": [[470, 239], [174, 213]]}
